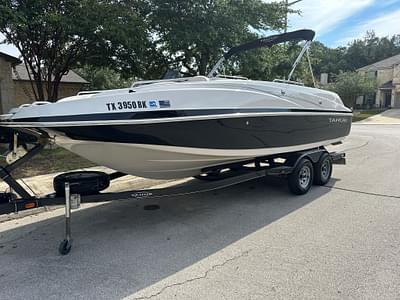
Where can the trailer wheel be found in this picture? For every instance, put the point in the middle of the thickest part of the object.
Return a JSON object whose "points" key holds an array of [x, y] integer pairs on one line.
{"points": [[301, 179], [323, 170]]}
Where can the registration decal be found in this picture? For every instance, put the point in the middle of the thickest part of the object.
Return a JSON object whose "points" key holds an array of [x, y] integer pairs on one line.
{"points": [[126, 105], [134, 105]]}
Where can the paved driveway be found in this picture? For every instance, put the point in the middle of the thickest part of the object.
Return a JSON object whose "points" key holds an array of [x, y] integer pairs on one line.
{"points": [[251, 241], [390, 116]]}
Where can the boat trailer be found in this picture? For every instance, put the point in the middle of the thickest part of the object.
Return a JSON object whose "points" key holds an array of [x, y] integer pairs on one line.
{"points": [[302, 169]]}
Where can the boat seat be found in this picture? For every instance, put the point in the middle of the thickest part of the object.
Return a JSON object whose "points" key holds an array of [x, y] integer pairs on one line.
{"points": [[197, 78], [182, 79]]}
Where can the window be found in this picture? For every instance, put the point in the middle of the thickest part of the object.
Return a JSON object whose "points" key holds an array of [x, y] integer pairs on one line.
{"points": [[372, 74]]}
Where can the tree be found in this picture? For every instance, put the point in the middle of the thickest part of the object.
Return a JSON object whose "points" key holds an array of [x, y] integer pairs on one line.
{"points": [[192, 34], [270, 63], [327, 60], [103, 78], [350, 85], [55, 36], [370, 49]]}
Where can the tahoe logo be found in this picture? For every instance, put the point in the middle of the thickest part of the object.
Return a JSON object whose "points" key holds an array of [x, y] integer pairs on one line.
{"points": [[338, 120]]}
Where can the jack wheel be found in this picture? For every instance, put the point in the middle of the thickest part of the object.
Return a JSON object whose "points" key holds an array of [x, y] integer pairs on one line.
{"points": [[323, 170], [301, 179], [65, 247]]}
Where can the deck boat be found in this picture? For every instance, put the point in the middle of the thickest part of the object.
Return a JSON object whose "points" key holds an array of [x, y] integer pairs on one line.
{"points": [[177, 128]]}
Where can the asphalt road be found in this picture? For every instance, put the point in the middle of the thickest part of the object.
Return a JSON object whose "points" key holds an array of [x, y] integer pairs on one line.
{"points": [[250, 241]]}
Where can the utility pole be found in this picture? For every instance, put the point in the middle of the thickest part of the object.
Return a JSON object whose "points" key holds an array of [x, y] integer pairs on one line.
{"points": [[287, 5]]}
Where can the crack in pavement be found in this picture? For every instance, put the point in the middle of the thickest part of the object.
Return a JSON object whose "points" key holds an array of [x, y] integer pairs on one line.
{"points": [[204, 276], [360, 192]]}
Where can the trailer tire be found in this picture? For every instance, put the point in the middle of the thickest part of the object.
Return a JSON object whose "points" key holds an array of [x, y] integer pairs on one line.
{"points": [[301, 179], [323, 169], [81, 182]]}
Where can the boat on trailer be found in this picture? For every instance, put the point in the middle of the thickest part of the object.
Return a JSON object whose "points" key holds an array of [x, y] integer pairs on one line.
{"points": [[177, 128], [222, 130]]}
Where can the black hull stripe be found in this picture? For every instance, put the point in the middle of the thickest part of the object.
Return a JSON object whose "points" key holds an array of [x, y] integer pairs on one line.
{"points": [[160, 114], [237, 133]]}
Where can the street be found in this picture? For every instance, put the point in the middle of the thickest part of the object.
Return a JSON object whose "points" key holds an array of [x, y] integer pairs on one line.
{"points": [[250, 241]]}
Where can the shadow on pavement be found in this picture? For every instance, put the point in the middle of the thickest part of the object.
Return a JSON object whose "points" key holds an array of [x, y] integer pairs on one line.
{"points": [[119, 248]]}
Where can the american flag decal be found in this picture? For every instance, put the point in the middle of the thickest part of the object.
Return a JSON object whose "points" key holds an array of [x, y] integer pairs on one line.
{"points": [[164, 103]]}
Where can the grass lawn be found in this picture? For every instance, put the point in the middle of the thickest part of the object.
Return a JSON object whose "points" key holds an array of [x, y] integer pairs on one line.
{"points": [[361, 115], [49, 161]]}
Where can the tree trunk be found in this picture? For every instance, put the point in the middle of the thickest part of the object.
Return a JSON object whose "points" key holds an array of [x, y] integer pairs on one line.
{"points": [[354, 102], [39, 86], [54, 89], [204, 59]]}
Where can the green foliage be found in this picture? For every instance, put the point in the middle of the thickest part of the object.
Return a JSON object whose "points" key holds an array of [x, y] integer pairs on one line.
{"points": [[370, 49], [358, 53], [350, 85], [58, 35], [327, 60], [269, 64], [103, 78], [111, 41], [194, 33]]}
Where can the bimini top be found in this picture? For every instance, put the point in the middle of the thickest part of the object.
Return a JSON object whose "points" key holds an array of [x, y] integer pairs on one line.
{"points": [[298, 35]]}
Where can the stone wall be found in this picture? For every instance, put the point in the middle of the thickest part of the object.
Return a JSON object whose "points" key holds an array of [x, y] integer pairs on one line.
{"points": [[384, 76], [396, 100]]}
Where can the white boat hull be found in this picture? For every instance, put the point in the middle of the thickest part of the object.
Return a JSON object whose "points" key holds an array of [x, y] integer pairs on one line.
{"points": [[168, 162], [173, 130]]}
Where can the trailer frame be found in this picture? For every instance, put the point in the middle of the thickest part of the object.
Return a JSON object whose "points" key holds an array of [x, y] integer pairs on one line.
{"points": [[217, 177]]}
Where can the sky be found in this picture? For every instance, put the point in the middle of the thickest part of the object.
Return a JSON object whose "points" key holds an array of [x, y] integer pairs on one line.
{"points": [[336, 22]]}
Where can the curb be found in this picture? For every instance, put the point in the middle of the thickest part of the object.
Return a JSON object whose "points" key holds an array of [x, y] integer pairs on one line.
{"points": [[358, 123], [26, 213]]}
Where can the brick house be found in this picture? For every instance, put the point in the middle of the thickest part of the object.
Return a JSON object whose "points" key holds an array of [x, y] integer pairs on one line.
{"points": [[16, 89], [387, 74]]}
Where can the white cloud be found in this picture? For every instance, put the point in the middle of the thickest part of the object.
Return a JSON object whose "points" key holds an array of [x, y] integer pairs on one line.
{"points": [[384, 25], [325, 16]]}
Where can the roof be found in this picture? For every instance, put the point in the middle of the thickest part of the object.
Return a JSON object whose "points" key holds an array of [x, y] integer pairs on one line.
{"points": [[71, 77], [383, 64], [387, 85], [12, 59]]}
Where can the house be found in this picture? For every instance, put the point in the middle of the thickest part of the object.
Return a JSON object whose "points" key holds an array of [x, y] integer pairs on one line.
{"points": [[7, 92], [387, 74], [16, 88], [70, 85]]}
